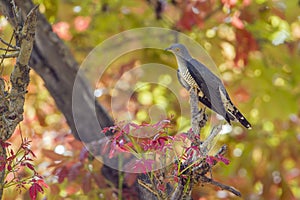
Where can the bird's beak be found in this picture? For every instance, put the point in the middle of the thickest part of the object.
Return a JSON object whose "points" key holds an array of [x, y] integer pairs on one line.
{"points": [[168, 49]]}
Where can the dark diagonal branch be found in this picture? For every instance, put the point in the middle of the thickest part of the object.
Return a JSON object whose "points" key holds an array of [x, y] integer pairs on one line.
{"points": [[205, 179], [56, 65]]}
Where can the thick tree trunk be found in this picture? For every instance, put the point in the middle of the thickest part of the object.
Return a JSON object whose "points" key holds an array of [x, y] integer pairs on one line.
{"points": [[12, 100], [52, 60]]}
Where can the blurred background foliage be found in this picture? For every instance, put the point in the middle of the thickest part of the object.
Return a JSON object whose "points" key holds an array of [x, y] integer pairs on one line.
{"points": [[256, 47]]}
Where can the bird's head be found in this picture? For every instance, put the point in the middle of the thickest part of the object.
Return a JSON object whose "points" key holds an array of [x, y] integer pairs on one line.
{"points": [[179, 50]]}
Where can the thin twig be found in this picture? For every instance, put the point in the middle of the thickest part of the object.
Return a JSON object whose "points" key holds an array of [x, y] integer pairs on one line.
{"points": [[178, 193], [6, 49], [214, 132], [220, 185], [12, 55], [9, 44]]}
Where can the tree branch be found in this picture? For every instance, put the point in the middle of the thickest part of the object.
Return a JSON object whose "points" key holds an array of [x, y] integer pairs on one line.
{"points": [[220, 185], [12, 55], [2, 173], [13, 100], [196, 168], [204, 145], [53, 61]]}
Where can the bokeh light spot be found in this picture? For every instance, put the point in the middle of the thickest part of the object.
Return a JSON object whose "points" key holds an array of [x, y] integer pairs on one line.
{"points": [[145, 98], [60, 149], [268, 126]]}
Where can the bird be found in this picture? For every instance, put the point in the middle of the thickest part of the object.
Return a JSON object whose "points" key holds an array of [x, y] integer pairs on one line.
{"points": [[211, 91]]}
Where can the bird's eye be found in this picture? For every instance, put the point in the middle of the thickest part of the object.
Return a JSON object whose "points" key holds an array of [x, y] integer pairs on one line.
{"points": [[177, 49]]}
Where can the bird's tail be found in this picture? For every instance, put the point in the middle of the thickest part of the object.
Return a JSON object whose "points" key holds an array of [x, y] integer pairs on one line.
{"points": [[236, 114]]}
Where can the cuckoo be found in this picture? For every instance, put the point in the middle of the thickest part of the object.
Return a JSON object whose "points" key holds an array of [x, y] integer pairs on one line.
{"points": [[192, 74]]}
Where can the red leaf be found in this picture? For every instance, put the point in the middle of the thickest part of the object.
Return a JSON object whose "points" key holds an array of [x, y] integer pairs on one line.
{"points": [[121, 146], [31, 152], [176, 179], [10, 158], [32, 192], [246, 2], [222, 159], [111, 153], [75, 144], [105, 130], [118, 134], [180, 137], [109, 129], [98, 178], [210, 160], [242, 95], [62, 174], [4, 144], [236, 21], [130, 179], [2, 159], [126, 128], [143, 165], [194, 13], [82, 23], [2, 165], [83, 154], [134, 125], [139, 167], [161, 187], [144, 124], [74, 171], [73, 188], [62, 29], [34, 189], [245, 43], [54, 189], [30, 166], [106, 146], [213, 160], [12, 152], [9, 168], [229, 3], [42, 183], [146, 144], [52, 155], [86, 183], [161, 124]]}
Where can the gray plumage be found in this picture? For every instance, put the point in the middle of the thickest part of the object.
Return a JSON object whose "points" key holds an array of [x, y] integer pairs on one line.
{"points": [[211, 91]]}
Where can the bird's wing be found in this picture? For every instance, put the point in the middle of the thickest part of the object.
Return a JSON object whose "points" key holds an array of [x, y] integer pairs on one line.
{"points": [[209, 84], [202, 98]]}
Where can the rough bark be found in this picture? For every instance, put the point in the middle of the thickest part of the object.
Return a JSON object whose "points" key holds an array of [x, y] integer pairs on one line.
{"points": [[55, 64], [53, 61], [2, 173], [12, 100]]}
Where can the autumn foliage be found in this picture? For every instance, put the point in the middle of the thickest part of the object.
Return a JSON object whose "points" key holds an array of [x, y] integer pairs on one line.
{"points": [[255, 46], [16, 163]]}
